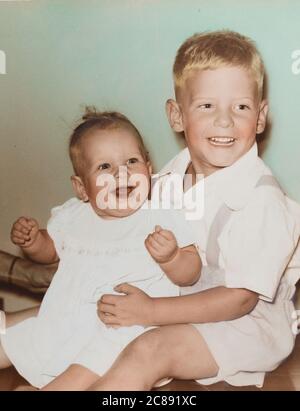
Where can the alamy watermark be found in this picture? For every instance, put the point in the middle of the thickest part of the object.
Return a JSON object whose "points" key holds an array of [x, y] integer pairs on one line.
{"points": [[296, 62], [131, 192], [2, 62]]}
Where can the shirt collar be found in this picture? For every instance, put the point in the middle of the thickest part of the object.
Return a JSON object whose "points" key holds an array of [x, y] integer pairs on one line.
{"points": [[234, 184]]}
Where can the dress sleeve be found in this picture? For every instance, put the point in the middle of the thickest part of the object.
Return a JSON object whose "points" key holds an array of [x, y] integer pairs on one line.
{"points": [[60, 216], [259, 244]]}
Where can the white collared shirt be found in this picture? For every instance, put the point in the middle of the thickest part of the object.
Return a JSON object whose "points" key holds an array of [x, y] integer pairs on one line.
{"points": [[259, 240]]}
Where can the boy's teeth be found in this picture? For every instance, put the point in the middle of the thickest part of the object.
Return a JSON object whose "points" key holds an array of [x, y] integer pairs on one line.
{"points": [[223, 140]]}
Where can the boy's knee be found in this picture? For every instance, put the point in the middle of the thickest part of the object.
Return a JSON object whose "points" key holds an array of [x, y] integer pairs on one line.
{"points": [[148, 346], [142, 346]]}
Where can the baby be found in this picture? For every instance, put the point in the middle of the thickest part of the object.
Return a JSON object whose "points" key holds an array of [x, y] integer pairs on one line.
{"points": [[100, 240]]}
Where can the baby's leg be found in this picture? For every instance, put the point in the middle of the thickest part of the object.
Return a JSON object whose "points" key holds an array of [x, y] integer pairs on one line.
{"points": [[18, 316], [75, 378], [177, 351], [4, 361], [12, 319]]}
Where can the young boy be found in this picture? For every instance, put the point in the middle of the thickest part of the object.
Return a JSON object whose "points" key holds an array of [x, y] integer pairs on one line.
{"points": [[236, 322]]}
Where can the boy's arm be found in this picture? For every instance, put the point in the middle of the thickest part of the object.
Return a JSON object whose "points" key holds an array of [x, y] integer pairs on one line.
{"points": [[184, 268], [212, 305]]}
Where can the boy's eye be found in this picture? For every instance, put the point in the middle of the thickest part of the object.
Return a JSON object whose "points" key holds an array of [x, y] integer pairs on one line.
{"points": [[206, 106], [104, 166], [132, 161]]}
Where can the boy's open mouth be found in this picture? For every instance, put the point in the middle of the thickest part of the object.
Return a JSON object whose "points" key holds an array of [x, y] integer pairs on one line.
{"points": [[222, 141]]}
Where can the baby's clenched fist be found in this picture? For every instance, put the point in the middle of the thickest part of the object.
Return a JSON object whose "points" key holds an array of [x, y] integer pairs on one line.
{"points": [[24, 232], [162, 245]]}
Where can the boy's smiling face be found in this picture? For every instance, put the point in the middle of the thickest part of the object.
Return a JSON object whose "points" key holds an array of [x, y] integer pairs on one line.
{"points": [[220, 113]]}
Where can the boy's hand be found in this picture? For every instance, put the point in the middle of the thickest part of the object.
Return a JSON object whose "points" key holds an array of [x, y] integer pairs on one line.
{"points": [[135, 307], [162, 245], [24, 232]]}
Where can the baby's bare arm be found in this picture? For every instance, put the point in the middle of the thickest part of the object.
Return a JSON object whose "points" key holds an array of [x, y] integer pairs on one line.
{"points": [[42, 250], [34, 242], [181, 265], [185, 267]]}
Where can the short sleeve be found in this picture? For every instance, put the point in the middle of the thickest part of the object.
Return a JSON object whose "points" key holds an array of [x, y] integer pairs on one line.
{"points": [[176, 221], [259, 244], [60, 216]]}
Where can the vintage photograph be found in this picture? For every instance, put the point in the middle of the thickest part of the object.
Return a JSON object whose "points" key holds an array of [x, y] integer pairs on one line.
{"points": [[149, 195]]}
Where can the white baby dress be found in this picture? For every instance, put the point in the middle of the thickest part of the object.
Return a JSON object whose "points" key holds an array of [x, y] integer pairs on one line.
{"points": [[95, 255]]}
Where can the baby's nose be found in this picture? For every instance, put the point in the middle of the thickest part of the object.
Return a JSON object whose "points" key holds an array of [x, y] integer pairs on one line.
{"points": [[121, 172]]}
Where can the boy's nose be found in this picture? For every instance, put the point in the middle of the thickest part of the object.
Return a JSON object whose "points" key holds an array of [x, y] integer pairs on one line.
{"points": [[223, 119]]}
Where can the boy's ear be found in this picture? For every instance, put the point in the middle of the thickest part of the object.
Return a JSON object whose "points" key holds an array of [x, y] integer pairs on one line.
{"points": [[174, 115], [79, 189], [262, 117]]}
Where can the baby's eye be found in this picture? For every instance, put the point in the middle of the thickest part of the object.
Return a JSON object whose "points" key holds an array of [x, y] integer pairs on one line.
{"points": [[132, 160], [104, 166], [242, 107]]}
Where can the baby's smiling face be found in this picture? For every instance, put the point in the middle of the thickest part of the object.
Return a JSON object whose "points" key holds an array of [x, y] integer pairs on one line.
{"points": [[220, 113], [115, 176]]}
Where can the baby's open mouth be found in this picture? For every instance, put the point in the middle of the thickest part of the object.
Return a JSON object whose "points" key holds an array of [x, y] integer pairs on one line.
{"points": [[222, 141], [122, 192]]}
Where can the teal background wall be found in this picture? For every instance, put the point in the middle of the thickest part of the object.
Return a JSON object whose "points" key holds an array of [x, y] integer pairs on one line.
{"points": [[118, 54]]}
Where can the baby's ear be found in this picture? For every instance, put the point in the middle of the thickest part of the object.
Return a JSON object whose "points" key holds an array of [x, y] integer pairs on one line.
{"points": [[149, 166], [78, 188], [174, 115], [262, 117]]}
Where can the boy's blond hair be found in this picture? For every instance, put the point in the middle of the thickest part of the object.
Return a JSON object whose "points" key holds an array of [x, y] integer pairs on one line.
{"points": [[211, 50]]}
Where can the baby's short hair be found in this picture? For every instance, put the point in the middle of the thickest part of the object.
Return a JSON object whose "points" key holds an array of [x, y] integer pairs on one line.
{"points": [[211, 50], [97, 120]]}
